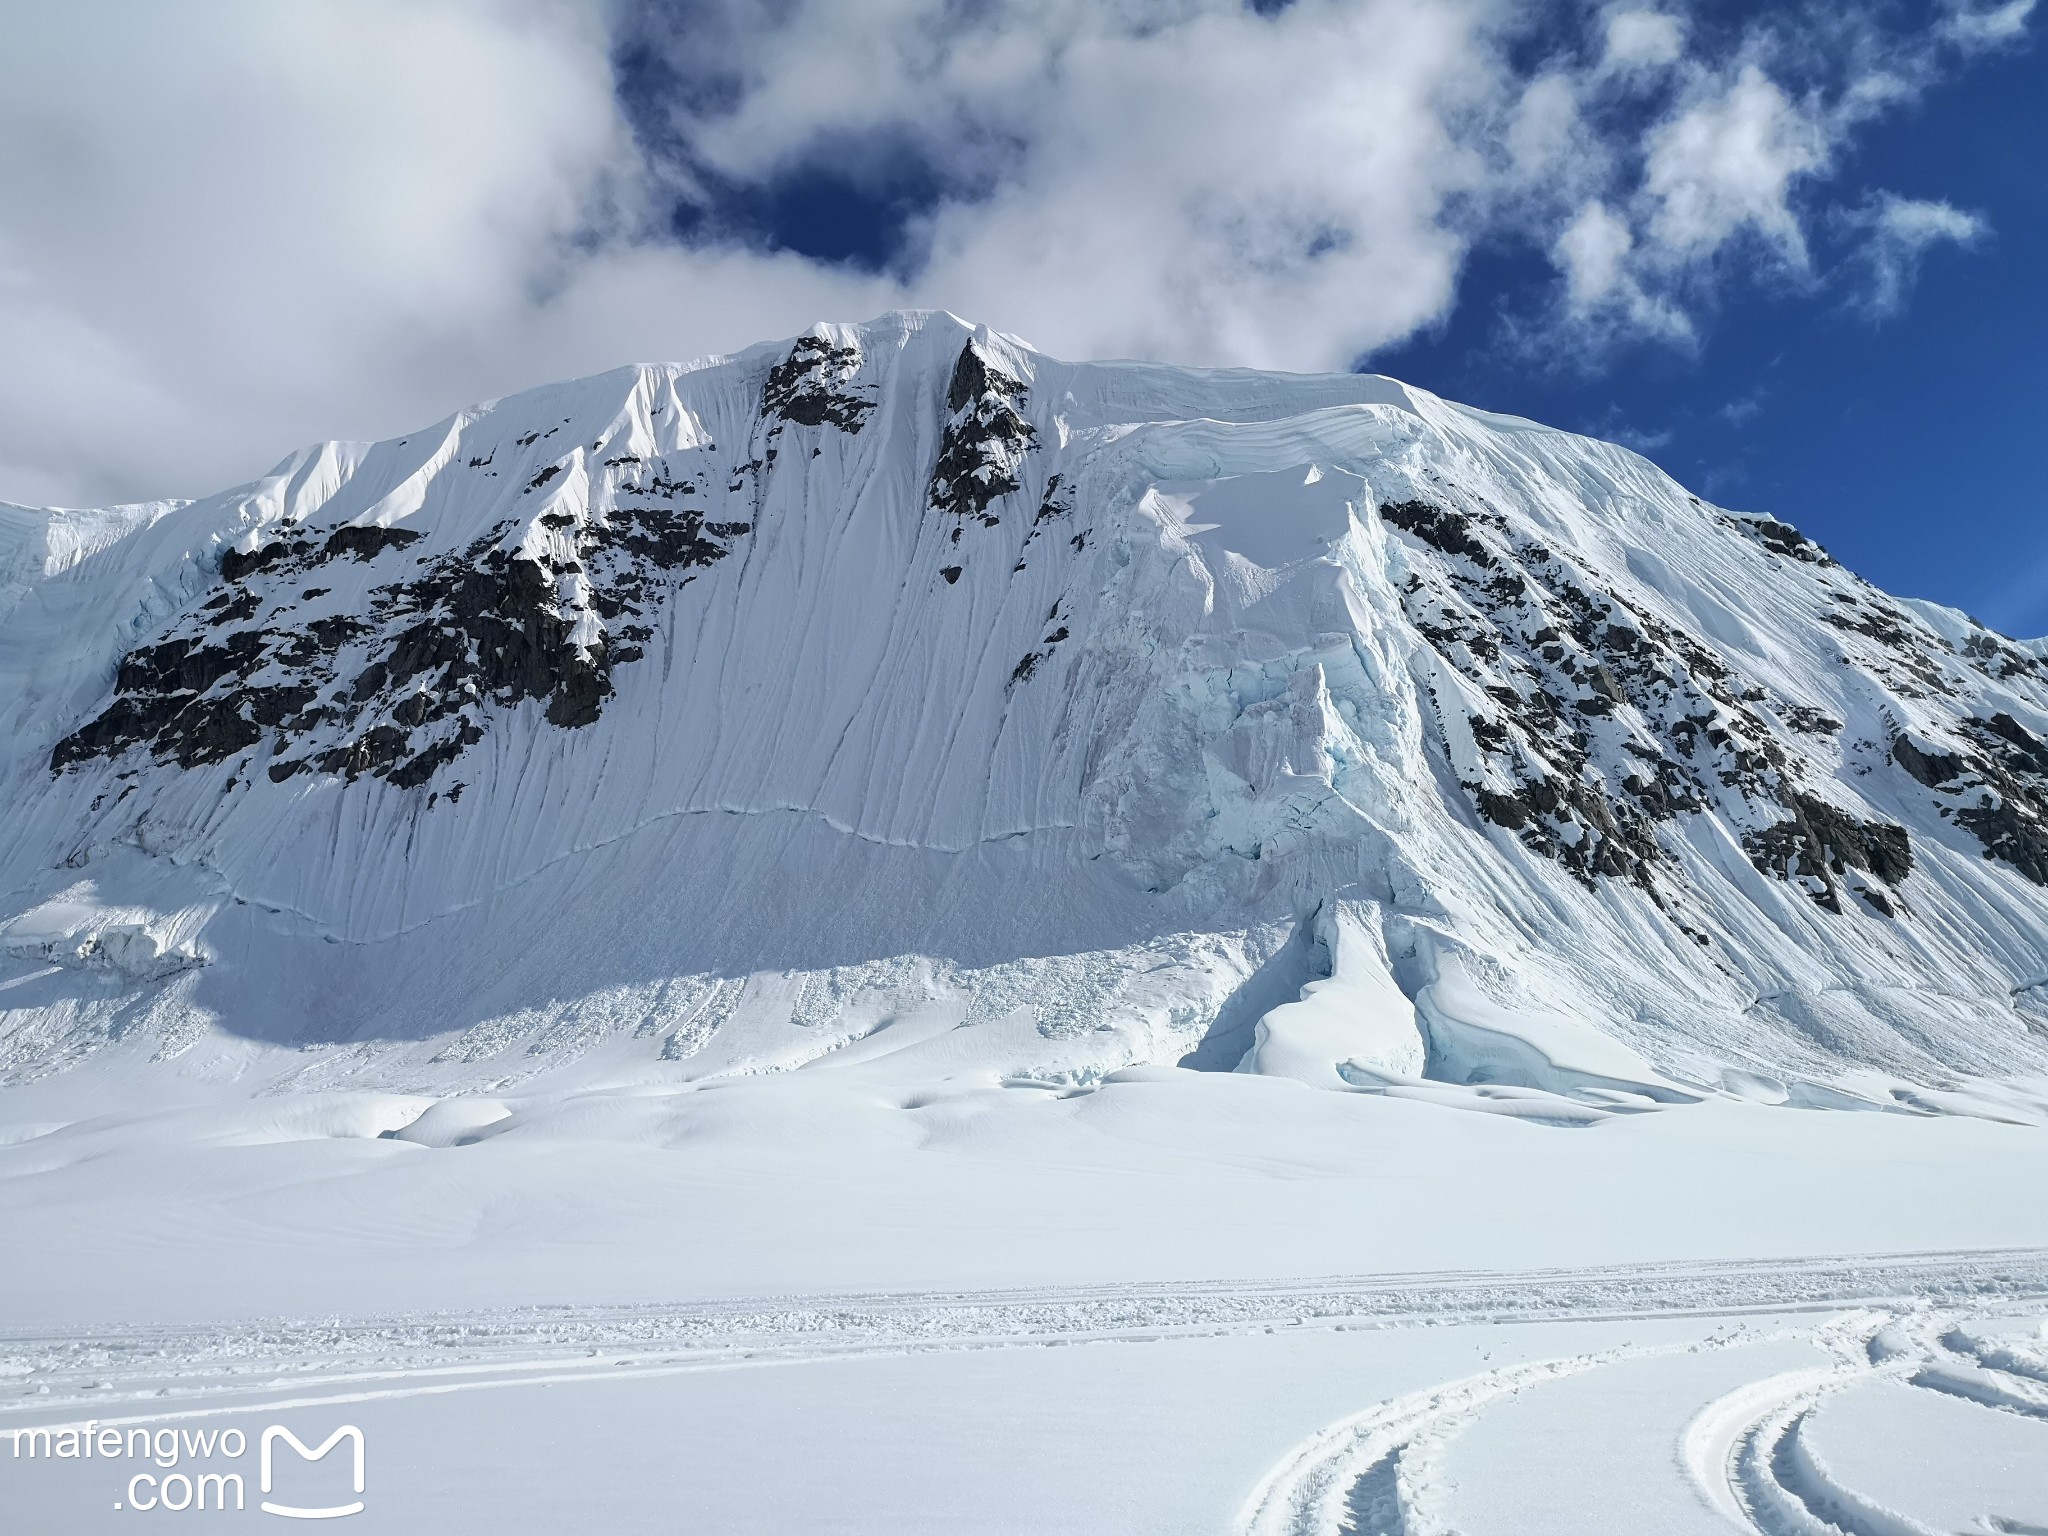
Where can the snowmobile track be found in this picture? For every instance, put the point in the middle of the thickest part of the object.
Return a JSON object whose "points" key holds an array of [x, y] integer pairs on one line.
{"points": [[99, 1366]]}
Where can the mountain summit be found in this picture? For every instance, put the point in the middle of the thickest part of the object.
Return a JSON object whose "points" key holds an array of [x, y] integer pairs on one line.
{"points": [[900, 695]]}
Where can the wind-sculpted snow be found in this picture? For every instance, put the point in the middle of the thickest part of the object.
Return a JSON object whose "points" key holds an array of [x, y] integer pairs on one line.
{"points": [[900, 678]]}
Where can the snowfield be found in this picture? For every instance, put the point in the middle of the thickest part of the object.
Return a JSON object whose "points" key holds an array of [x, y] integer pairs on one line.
{"points": [[891, 933], [1196, 1302]]}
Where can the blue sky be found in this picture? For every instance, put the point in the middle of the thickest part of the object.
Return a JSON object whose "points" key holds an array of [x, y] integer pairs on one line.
{"points": [[1911, 444], [1789, 251], [1896, 427]]}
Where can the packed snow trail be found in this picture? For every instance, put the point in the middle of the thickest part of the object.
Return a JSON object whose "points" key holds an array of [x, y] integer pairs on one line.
{"points": [[1396, 1467], [940, 1320]]}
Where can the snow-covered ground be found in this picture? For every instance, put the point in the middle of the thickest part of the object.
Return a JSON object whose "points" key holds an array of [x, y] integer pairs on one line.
{"points": [[891, 934], [1185, 1302]]}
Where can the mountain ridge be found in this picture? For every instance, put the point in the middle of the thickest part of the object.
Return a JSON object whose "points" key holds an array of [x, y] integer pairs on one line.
{"points": [[1422, 706]]}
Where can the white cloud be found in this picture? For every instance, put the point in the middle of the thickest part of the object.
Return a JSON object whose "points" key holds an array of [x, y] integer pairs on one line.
{"points": [[1901, 231], [220, 213], [1237, 191], [1592, 252], [1720, 170], [1728, 162], [230, 227], [1546, 128], [1997, 25], [1732, 177], [1638, 39], [1642, 441], [1178, 177], [1597, 254], [1744, 408]]}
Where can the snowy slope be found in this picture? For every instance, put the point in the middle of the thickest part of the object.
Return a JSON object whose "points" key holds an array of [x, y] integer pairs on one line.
{"points": [[902, 699]]}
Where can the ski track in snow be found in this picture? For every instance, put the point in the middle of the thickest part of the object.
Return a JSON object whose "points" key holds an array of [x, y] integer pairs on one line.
{"points": [[804, 1327], [1909, 1318], [1381, 1472], [1748, 1453], [1751, 1455]]}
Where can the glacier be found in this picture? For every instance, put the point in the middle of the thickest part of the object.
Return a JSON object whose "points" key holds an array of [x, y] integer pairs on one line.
{"points": [[719, 717]]}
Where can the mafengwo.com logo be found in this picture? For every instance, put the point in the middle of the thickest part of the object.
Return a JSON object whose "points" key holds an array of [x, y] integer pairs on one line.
{"points": [[194, 1469]]}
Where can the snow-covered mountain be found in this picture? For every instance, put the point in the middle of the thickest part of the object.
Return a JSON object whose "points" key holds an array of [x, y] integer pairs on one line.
{"points": [[901, 695]]}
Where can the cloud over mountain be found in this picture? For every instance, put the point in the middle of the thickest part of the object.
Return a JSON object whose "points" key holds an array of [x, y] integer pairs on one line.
{"points": [[239, 227]]}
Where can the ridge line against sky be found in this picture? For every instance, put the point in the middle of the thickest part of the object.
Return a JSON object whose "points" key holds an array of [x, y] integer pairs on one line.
{"points": [[1787, 251]]}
